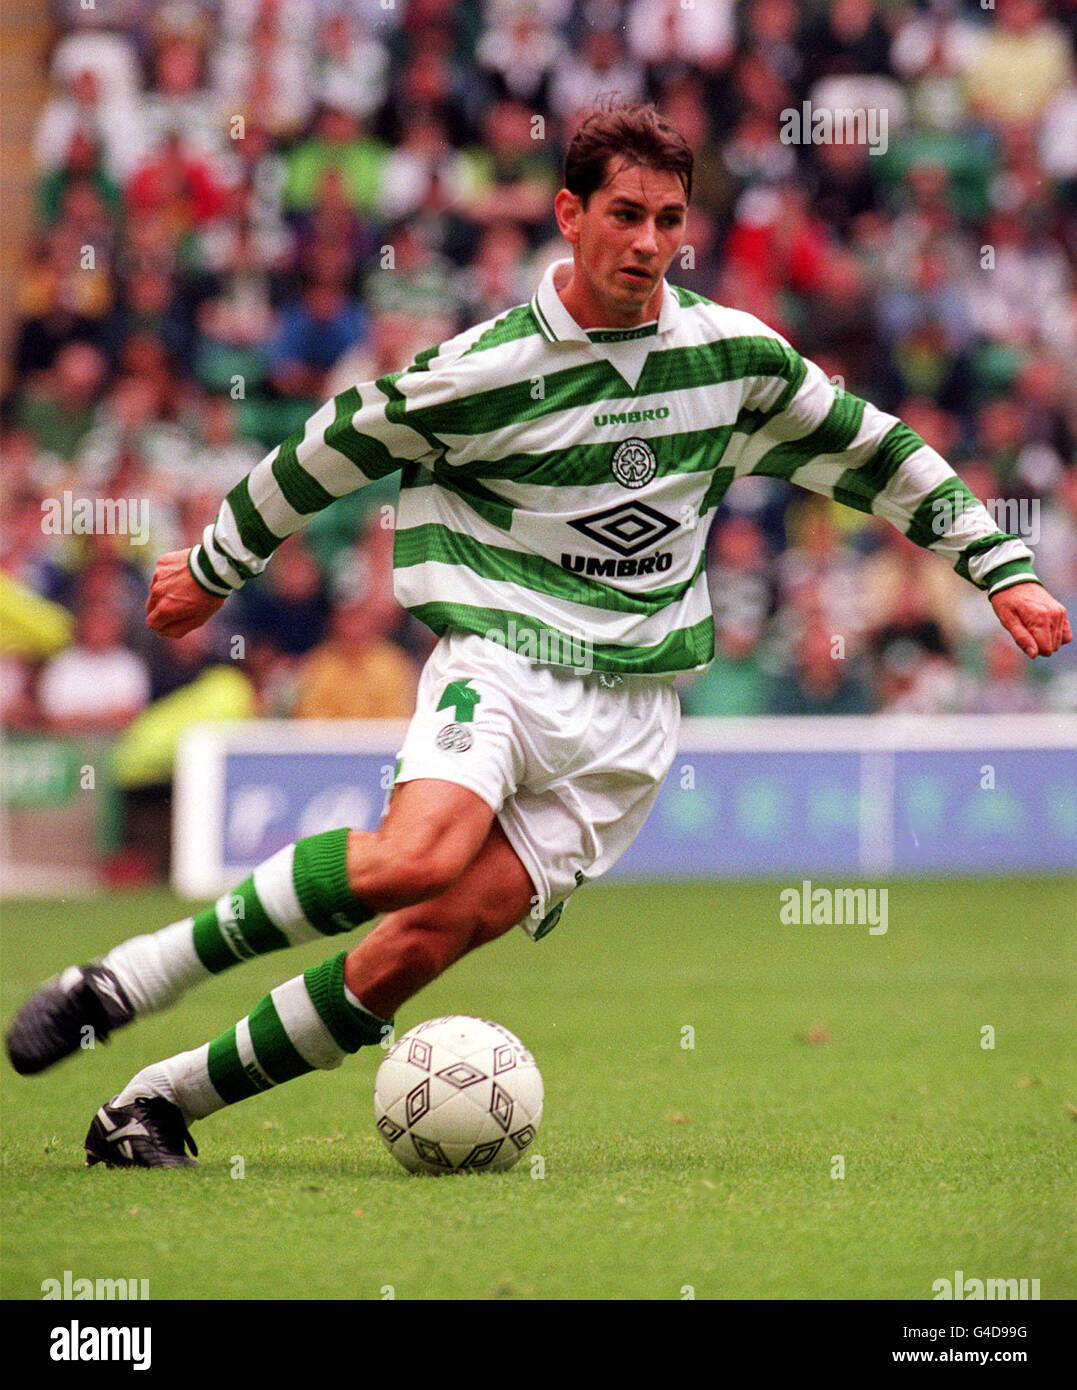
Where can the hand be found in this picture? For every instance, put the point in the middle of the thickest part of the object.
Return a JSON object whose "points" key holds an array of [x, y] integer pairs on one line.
{"points": [[1035, 621], [177, 605]]}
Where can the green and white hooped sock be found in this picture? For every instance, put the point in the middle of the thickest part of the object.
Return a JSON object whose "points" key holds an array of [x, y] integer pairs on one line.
{"points": [[313, 1021], [298, 895]]}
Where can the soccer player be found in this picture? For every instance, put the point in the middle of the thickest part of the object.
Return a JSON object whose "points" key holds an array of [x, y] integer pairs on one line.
{"points": [[560, 465]]}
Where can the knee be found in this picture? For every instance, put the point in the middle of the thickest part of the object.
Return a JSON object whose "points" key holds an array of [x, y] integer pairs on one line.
{"points": [[423, 873], [431, 832], [390, 872]]}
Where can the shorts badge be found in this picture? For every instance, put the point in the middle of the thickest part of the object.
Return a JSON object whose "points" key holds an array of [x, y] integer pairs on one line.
{"points": [[454, 738]]}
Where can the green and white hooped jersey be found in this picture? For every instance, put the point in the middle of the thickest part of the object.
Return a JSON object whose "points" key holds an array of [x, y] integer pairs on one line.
{"points": [[557, 484]]}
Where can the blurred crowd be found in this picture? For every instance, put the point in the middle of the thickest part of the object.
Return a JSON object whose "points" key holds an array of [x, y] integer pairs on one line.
{"points": [[245, 206]]}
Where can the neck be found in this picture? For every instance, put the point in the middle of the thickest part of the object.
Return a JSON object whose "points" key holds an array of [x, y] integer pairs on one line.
{"points": [[590, 311]]}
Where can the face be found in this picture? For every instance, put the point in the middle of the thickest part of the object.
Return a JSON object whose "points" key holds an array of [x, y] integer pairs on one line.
{"points": [[622, 245]]}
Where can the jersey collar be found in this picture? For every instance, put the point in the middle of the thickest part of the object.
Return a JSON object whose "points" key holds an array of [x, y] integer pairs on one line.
{"points": [[558, 326]]}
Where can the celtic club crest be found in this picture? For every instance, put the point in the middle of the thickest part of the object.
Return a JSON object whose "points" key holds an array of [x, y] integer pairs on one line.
{"points": [[454, 738], [634, 463]]}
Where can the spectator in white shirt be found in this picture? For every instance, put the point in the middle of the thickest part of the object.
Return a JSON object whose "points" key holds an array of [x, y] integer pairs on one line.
{"points": [[662, 30], [97, 685], [600, 67]]}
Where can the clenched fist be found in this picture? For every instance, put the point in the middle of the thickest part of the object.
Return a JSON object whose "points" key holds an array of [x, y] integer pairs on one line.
{"points": [[1035, 621], [177, 605]]}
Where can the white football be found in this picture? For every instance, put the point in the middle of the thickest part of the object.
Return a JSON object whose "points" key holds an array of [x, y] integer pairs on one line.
{"points": [[458, 1093]]}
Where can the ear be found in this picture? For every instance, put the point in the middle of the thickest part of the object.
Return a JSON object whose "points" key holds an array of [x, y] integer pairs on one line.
{"points": [[568, 209]]}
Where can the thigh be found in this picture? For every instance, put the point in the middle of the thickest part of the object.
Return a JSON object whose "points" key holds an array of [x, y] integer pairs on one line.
{"points": [[427, 838], [430, 814]]}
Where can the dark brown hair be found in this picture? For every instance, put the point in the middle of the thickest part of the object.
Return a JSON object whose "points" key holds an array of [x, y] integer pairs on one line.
{"points": [[633, 134]]}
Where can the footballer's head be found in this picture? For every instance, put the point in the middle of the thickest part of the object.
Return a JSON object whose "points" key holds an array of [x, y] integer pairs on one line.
{"points": [[628, 178]]}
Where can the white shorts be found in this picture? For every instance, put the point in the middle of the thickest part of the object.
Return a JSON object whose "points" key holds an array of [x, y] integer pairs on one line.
{"points": [[571, 763]]}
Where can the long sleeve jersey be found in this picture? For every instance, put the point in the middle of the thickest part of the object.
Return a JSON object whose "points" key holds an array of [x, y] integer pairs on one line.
{"points": [[560, 482]]}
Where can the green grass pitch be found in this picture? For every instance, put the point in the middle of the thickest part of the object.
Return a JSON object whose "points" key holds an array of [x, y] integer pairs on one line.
{"points": [[669, 1169]]}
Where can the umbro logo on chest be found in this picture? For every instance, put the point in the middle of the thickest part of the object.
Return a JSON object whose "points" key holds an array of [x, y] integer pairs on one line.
{"points": [[632, 417]]}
